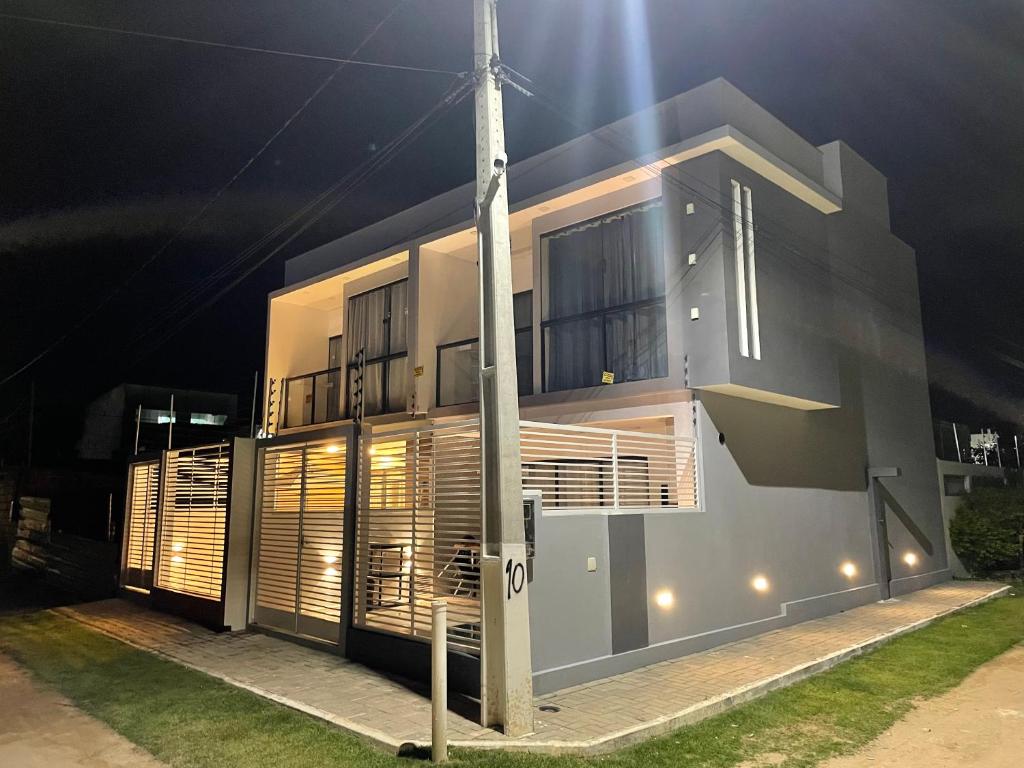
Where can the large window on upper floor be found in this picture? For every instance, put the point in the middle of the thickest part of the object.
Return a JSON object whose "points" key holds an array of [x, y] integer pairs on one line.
{"points": [[377, 325], [603, 300]]}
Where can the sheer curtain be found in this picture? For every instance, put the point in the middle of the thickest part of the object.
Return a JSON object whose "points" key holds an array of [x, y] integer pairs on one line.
{"points": [[378, 324], [604, 300]]}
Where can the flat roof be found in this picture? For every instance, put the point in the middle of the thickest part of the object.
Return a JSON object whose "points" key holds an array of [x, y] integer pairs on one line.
{"points": [[715, 116]]}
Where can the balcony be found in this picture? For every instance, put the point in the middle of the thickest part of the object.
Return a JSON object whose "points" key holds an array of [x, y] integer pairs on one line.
{"points": [[458, 367], [313, 398]]}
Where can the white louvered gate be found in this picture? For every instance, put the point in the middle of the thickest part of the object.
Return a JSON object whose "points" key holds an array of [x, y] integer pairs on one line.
{"points": [[193, 519], [140, 525], [418, 532], [301, 527]]}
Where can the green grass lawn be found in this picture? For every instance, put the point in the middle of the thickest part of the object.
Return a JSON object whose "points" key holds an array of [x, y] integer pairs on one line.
{"points": [[186, 718]]}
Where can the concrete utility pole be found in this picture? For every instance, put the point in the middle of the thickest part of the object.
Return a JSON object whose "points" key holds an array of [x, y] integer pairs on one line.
{"points": [[506, 683]]}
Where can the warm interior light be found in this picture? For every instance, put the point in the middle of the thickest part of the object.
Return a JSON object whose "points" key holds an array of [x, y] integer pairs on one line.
{"points": [[177, 559], [383, 462], [332, 448], [664, 599], [910, 559], [760, 583], [848, 569], [372, 451], [331, 571], [177, 547], [330, 559]]}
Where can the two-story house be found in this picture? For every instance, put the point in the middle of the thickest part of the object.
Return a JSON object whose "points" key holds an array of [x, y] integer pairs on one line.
{"points": [[722, 391]]}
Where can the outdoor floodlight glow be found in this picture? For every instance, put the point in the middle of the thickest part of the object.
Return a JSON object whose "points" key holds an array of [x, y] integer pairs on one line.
{"points": [[332, 448], [910, 559], [664, 599], [760, 583], [848, 569]]}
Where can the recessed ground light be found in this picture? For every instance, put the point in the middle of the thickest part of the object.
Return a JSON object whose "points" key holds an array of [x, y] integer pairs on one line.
{"points": [[549, 708]]}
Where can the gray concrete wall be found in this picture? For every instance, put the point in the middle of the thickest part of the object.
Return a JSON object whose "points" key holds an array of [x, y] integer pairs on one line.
{"points": [[784, 491], [878, 320], [798, 356], [796, 537]]}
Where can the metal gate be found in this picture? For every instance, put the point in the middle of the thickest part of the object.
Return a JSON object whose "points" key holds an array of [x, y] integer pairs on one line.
{"points": [[140, 525], [193, 521], [418, 531], [299, 546]]}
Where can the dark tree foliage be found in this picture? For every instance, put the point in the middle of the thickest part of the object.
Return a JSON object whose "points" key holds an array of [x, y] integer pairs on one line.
{"points": [[988, 529]]}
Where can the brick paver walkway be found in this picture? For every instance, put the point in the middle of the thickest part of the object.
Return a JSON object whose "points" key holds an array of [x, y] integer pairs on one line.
{"points": [[595, 717]]}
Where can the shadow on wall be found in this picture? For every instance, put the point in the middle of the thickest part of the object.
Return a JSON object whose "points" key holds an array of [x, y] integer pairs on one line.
{"points": [[787, 448]]}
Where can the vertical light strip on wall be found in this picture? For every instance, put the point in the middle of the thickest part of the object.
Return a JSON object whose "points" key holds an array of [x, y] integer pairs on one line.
{"points": [[741, 280], [755, 330]]}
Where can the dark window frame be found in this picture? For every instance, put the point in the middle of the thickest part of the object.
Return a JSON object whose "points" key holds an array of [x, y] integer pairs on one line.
{"points": [[520, 329], [605, 313], [383, 360]]}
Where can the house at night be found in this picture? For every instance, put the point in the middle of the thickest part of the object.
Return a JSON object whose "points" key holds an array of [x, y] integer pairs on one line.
{"points": [[723, 397]]}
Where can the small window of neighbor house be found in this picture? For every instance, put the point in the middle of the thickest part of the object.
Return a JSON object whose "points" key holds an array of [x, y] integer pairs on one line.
{"points": [[208, 419], [954, 485], [156, 416]]}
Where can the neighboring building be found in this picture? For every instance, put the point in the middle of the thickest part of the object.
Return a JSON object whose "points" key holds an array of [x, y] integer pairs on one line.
{"points": [[108, 431], [722, 382]]}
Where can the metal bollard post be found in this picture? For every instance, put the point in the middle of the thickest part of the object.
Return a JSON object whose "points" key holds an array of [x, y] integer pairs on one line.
{"points": [[439, 682]]}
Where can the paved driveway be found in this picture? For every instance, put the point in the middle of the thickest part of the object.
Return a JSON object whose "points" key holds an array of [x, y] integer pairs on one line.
{"points": [[41, 729]]}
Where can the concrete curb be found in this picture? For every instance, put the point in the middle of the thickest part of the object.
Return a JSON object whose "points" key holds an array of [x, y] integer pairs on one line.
{"points": [[608, 743]]}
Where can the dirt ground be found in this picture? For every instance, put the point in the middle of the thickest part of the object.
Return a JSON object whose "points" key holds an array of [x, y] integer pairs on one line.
{"points": [[980, 723], [41, 729]]}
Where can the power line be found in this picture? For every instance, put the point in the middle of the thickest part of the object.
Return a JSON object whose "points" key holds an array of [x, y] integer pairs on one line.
{"points": [[206, 207], [765, 232], [340, 190], [229, 46]]}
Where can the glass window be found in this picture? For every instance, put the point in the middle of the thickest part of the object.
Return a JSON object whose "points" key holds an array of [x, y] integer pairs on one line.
{"points": [[212, 419], [378, 326], [458, 363], [157, 416], [335, 352], [604, 300]]}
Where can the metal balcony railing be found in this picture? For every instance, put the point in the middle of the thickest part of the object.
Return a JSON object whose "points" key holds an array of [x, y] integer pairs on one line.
{"points": [[314, 398]]}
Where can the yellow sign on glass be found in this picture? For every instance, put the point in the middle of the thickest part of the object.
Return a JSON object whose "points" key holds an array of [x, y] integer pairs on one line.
{"points": [[607, 377]]}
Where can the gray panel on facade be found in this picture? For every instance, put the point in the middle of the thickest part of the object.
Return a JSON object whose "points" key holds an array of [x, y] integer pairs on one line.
{"points": [[628, 567]]}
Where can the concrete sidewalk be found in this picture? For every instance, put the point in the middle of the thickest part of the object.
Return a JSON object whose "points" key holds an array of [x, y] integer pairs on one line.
{"points": [[590, 719]]}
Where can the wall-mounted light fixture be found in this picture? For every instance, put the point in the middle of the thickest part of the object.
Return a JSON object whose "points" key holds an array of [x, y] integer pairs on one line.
{"points": [[760, 583], [848, 569], [664, 599], [910, 558]]}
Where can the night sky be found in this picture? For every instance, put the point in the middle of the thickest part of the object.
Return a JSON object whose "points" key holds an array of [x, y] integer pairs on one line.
{"points": [[110, 144]]}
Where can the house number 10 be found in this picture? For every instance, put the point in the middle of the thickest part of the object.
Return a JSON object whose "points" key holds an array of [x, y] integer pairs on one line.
{"points": [[516, 576]]}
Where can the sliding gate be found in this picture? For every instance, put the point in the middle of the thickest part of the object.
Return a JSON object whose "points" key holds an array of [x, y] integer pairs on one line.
{"points": [[299, 541]]}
